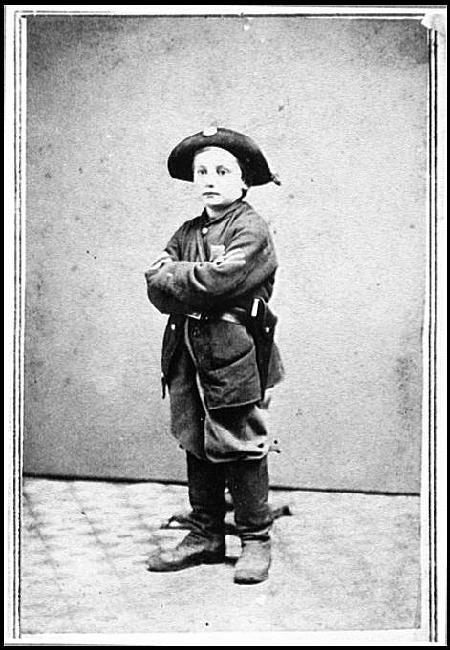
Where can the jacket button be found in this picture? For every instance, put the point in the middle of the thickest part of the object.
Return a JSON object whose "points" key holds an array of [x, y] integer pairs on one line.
{"points": [[173, 326]]}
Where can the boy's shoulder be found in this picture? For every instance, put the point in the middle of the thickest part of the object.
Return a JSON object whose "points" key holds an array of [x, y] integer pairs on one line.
{"points": [[250, 211], [190, 224], [194, 222], [250, 217]]}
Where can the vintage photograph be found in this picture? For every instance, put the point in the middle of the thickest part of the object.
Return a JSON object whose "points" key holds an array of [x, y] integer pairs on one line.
{"points": [[224, 250]]}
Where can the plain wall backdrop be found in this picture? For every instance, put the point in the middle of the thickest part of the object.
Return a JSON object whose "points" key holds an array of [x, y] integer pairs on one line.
{"points": [[339, 107]]}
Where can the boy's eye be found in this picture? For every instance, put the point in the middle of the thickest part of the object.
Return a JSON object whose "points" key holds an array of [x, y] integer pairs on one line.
{"points": [[200, 172], [222, 171]]}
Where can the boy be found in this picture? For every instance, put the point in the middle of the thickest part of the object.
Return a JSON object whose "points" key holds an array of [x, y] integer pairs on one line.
{"points": [[215, 278]]}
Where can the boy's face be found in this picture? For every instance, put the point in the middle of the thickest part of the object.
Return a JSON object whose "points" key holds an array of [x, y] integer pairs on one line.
{"points": [[218, 177]]}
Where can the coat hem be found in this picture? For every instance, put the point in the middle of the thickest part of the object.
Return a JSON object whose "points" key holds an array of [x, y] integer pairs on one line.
{"points": [[230, 406]]}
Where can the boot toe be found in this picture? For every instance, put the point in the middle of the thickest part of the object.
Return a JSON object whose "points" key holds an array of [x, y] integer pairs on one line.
{"points": [[192, 551], [162, 561], [251, 575]]}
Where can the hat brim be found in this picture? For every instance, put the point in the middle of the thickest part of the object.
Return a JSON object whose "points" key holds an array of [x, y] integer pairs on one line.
{"points": [[243, 148]]}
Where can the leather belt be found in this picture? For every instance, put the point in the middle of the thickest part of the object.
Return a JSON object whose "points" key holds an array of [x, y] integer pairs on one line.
{"points": [[227, 316]]}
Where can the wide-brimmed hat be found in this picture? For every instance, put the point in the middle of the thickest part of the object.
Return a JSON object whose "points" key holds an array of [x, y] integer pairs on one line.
{"points": [[244, 149]]}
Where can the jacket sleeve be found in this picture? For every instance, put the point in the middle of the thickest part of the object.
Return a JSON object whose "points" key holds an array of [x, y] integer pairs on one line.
{"points": [[161, 299], [174, 244], [205, 285]]}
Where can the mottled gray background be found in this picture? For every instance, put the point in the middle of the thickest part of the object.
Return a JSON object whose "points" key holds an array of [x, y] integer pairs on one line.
{"points": [[339, 108]]}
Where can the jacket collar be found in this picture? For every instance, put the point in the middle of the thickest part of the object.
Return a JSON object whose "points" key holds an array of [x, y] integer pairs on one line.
{"points": [[234, 208]]}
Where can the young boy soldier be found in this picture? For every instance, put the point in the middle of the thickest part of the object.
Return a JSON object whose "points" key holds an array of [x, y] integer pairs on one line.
{"points": [[215, 278]]}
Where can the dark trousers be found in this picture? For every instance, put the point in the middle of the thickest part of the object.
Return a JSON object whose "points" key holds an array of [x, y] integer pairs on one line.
{"points": [[248, 484]]}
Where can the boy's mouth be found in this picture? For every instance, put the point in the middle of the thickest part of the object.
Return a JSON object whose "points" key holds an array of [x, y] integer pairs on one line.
{"points": [[210, 193]]}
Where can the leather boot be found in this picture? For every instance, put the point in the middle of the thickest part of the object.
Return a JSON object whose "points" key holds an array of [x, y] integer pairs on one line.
{"points": [[248, 482], [206, 482], [205, 544], [191, 551], [253, 565]]}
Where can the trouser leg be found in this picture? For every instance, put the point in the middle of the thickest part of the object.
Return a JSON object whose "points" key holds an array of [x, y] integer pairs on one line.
{"points": [[206, 482], [205, 544], [248, 482]]}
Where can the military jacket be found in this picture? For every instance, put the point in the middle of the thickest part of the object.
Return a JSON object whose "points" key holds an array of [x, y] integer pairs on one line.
{"points": [[192, 281]]}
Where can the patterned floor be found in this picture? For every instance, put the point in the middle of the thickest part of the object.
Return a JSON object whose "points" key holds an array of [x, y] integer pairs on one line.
{"points": [[340, 562]]}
